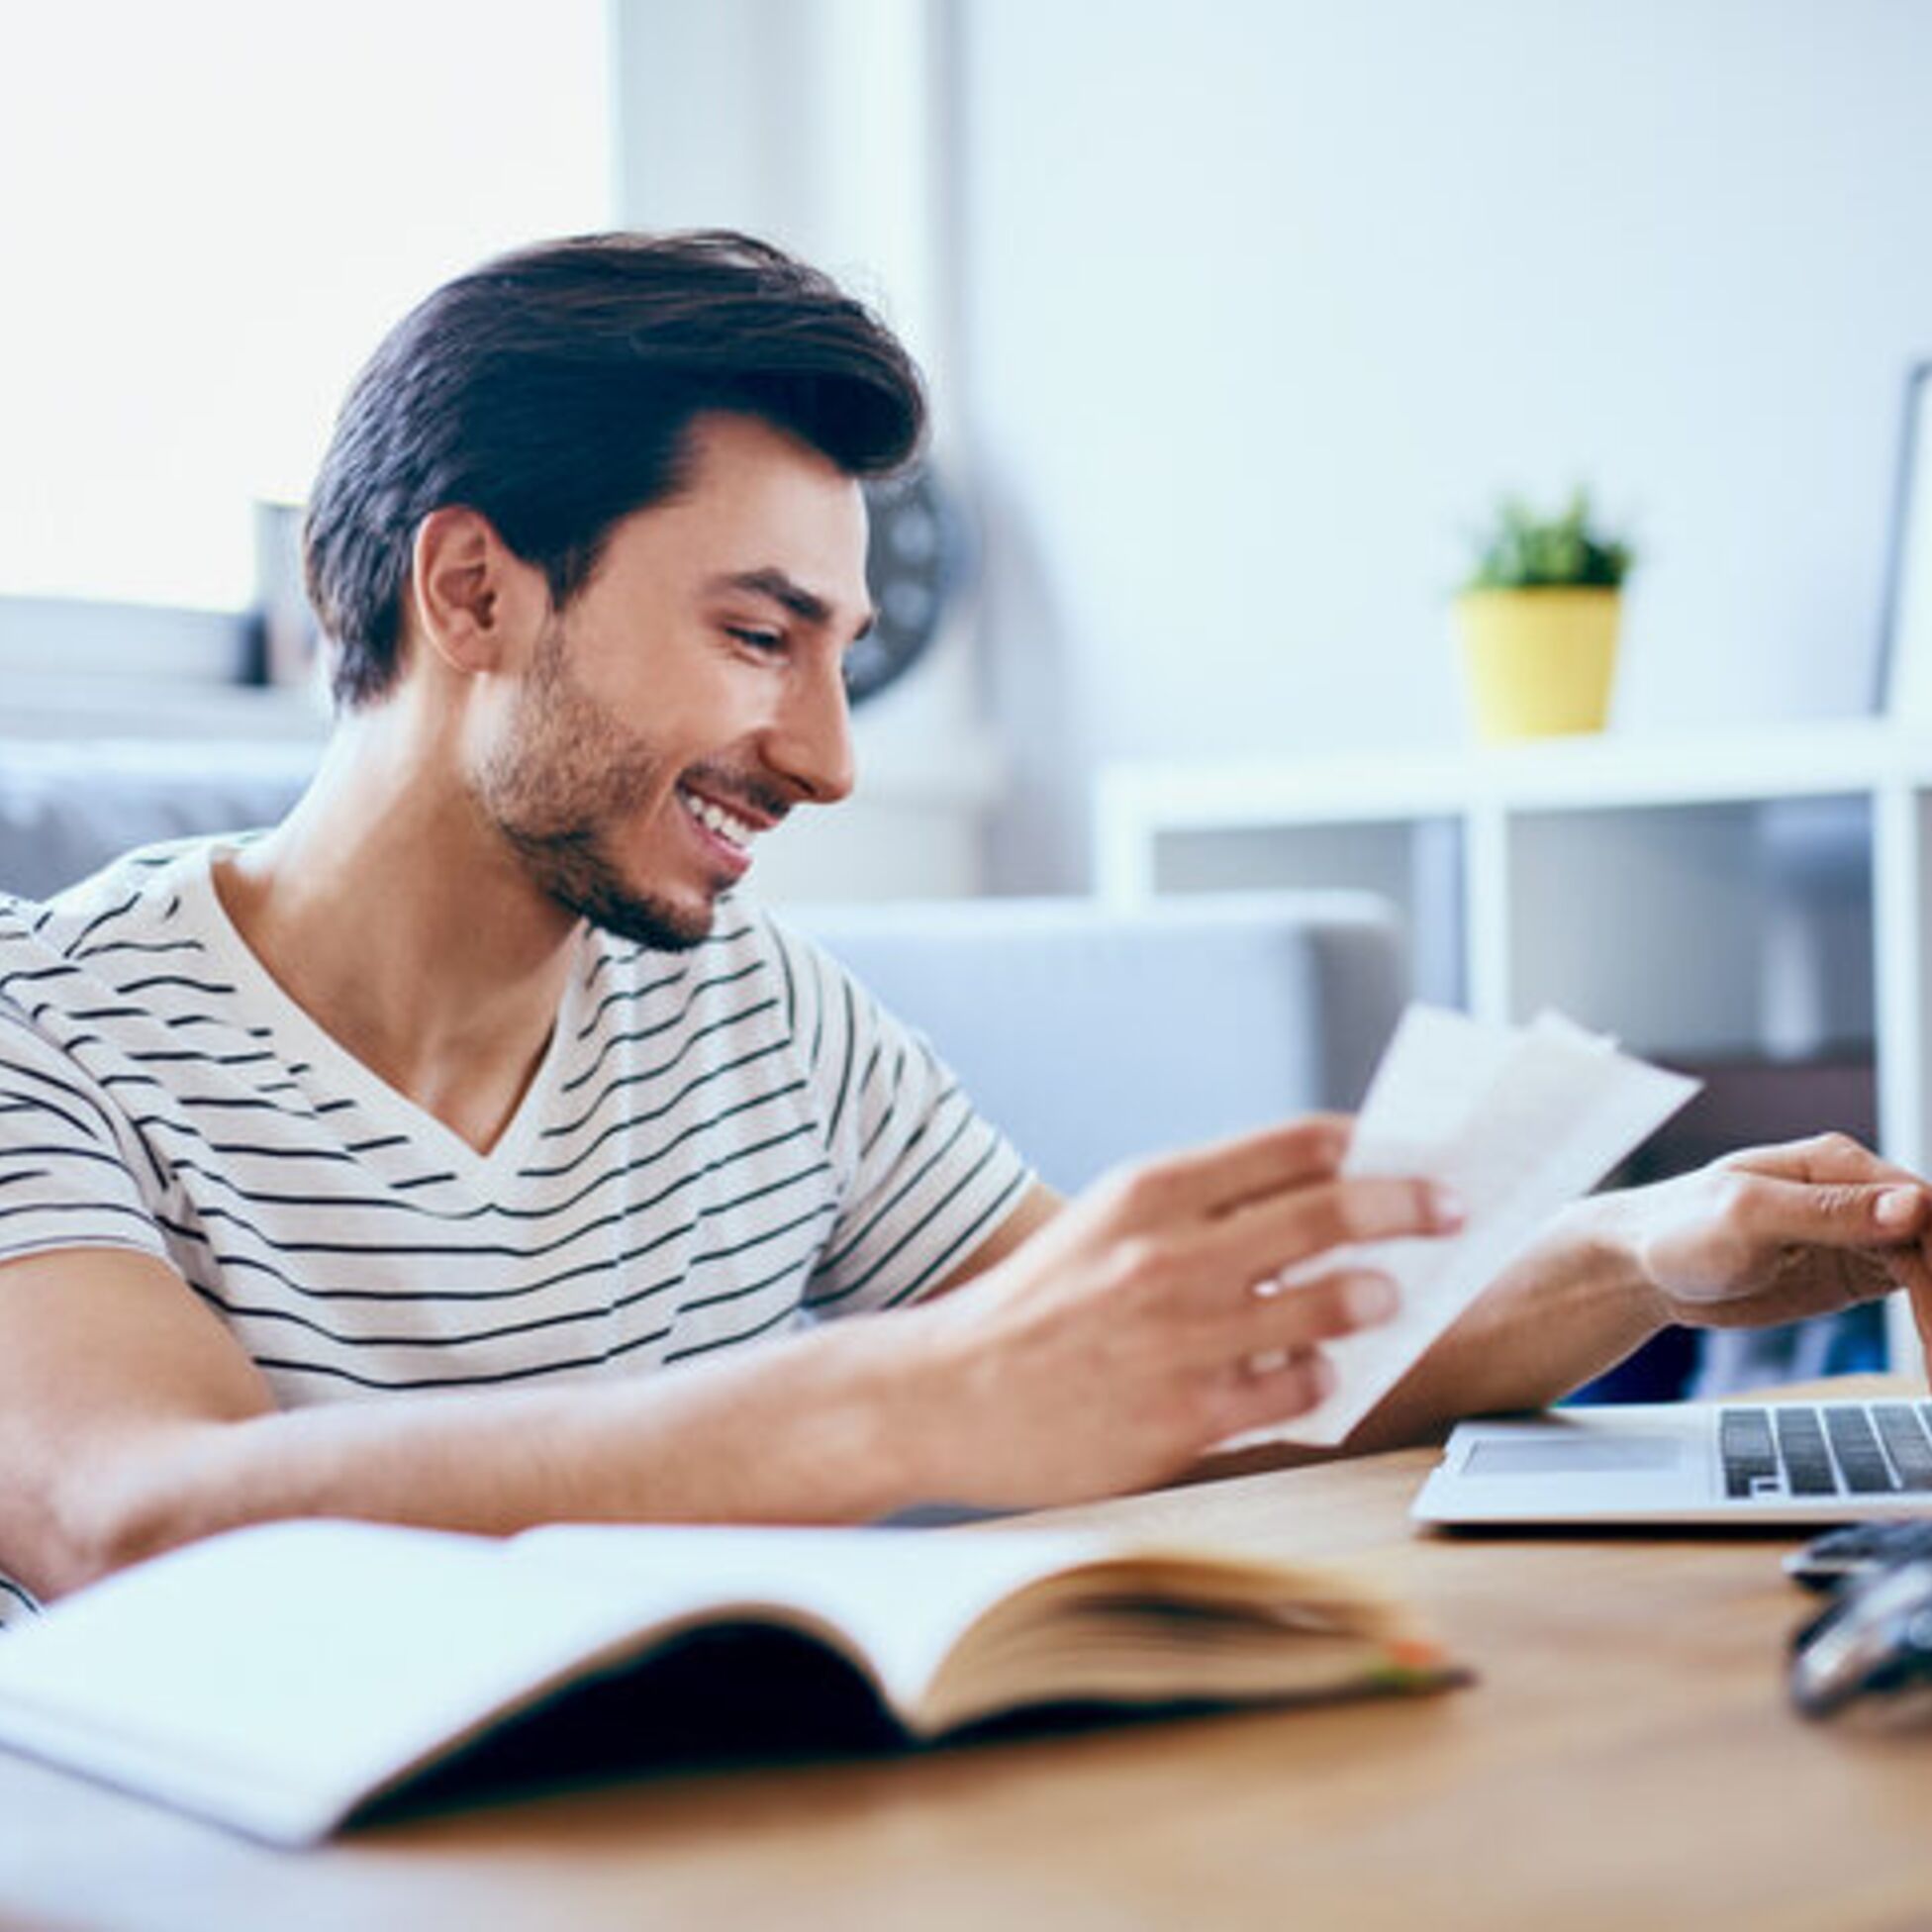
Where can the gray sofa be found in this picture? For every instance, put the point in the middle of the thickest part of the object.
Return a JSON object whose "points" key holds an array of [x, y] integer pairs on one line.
{"points": [[1088, 1033], [1092, 1035], [66, 809]]}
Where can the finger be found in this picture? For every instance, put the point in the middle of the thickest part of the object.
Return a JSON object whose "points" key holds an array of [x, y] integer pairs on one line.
{"points": [[1274, 1319], [1910, 1268], [1824, 1157], [1270, 1237], [1763, 1214], [1203, 1182], [1251, 1395], [1271, 1317], [1883, 1212], [1907, 1274]]}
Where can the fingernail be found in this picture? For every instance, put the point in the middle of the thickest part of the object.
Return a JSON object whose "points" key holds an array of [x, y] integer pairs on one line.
{"points": [[1321, 1376], [1446, 1208], [1371, 1297], [1896, 1207]]}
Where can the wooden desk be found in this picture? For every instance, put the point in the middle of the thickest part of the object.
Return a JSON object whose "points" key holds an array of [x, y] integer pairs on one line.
{"points": [[1627, 1760]]}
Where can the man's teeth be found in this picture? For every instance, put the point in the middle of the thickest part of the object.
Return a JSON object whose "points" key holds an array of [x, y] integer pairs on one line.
{"points": [[719, 820]]}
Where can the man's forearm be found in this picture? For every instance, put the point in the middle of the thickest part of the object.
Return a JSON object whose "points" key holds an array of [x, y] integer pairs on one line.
{"points": [[836, 1426], [1563, 1310], [822, 1427]]}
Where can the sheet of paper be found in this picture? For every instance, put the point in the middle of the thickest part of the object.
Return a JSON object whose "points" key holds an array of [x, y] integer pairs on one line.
{"points": [[1517, 1122]]}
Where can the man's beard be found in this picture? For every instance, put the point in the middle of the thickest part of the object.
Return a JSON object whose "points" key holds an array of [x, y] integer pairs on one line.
{"points": [[570, 773], [570, 866]]}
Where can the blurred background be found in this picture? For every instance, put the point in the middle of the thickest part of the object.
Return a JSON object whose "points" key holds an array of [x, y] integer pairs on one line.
{"points": [[1239, 313]]}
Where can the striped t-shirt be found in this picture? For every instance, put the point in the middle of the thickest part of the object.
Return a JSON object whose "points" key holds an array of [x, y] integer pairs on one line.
{"points": [[718, 1144]]}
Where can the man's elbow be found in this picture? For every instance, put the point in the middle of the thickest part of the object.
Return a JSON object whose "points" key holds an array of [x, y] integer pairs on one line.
{"points": [[91, 1515]]}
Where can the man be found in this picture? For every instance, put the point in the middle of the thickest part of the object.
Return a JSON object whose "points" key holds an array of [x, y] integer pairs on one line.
{"points": [[461, 1152]]}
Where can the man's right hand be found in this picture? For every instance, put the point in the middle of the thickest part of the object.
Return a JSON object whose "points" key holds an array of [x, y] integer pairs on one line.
{"points": [[1148, 1321]]}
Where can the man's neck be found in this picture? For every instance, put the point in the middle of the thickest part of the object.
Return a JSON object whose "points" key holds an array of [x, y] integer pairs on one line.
{"points": [[386, 908]]}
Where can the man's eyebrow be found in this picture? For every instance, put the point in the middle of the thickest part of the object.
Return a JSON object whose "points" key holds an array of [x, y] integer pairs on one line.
{"points": [[808, 606]]}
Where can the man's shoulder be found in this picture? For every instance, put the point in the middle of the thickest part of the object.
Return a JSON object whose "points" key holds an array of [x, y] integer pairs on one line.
{"points": [[125, 901]]}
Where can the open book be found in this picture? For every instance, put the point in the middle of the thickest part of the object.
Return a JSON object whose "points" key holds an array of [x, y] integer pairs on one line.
{"points": [[283, 1677]]}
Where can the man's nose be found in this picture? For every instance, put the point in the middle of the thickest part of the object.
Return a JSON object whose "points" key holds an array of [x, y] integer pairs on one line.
{"points": [[811, 741]]}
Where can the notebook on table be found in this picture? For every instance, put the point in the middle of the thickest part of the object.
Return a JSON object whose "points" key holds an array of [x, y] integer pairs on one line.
{"points": [[1741, 1464]]}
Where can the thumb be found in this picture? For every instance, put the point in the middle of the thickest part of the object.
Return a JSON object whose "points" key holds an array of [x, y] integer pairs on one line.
{"points": [[1836, 1214], [1719, 1255]]}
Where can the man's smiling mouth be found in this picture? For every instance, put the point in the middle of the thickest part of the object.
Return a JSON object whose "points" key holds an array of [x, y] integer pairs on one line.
{"points": [[724, 824]]}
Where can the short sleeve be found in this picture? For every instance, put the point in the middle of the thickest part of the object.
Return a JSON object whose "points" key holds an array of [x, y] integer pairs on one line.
{"points": [[923, 1178], [64, 1178]]}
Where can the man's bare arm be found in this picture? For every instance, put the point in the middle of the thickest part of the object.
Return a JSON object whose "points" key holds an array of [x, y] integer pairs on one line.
{"points": [[1036, 1207], [1101, 1354], [130, 1420]]}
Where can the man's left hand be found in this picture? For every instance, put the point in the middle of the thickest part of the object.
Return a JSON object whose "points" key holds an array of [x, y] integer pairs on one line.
{"points": [[1772, 1234]]}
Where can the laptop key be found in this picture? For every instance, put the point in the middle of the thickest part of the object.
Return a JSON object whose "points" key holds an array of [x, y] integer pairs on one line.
{"points": [[1867, 1475], [1745, 1447], [1863, 1462], [1807, 1462], [1803, 1477], [1906, 1442]]}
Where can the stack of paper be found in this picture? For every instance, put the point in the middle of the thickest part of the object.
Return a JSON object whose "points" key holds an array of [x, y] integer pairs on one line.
{"points": [[1517, 1122]]}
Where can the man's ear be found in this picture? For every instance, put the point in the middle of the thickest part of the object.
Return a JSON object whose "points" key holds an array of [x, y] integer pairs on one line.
{"points": [[473, 601]]}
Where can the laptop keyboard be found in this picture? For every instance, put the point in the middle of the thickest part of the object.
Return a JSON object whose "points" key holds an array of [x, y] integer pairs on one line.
{"points": [[1834, 1449]]}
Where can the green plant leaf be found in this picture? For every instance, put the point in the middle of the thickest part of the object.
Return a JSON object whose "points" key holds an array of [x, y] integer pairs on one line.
{"points": [[1522, 550]]}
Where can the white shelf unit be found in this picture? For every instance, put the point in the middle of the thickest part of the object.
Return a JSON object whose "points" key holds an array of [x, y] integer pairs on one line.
{"points": [[1766, 894]]}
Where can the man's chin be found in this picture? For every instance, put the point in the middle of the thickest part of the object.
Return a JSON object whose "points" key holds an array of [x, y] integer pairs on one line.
{"points": [[648, 923]]}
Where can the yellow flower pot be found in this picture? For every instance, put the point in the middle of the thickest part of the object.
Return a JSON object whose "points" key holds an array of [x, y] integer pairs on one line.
{"points": [[1540, 662]]}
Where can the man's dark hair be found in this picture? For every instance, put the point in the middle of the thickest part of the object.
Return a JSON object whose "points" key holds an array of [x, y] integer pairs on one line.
{"points": [[551, 389]]}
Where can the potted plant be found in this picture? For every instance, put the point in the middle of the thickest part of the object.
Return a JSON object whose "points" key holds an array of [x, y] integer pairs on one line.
{"points": [[1538, 619]]}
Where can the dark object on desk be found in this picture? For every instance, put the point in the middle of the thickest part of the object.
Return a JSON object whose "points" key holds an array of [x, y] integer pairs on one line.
{"points": [[1842, 1556], [1874, 1640]]}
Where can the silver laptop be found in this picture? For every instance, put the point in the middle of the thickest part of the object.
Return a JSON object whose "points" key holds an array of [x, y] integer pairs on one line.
{"points": [[1734, 1463]]}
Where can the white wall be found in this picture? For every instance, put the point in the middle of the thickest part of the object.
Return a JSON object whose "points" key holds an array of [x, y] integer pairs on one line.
{"points": [[1266, 299], [210, 213]]}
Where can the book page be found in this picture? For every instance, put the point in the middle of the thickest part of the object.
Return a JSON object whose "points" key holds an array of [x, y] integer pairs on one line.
{"points": [[902, 1604], [273, 1677]]}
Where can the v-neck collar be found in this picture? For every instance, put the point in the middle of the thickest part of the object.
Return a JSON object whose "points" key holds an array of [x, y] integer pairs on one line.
{"points": [[302, 1038]]}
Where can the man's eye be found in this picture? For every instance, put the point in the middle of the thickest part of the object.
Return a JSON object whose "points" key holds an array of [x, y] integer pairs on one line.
{"points": [[760, 641]]}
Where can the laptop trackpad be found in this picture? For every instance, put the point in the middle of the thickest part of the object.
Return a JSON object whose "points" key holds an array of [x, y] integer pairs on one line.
{"points": [[1577, 1455]]}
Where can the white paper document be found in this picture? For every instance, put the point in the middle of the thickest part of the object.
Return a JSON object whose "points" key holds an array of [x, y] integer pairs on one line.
{"points": [[1517, 1122]]}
